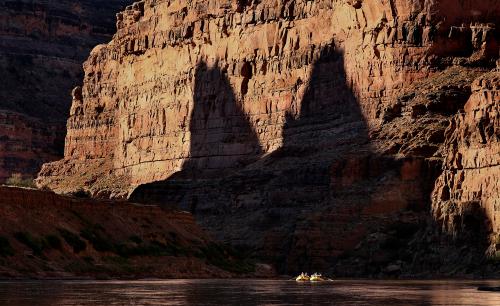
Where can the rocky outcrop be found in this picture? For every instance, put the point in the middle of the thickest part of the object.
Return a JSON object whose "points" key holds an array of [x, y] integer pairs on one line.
{"points": [[467, 194], [42, 47], [461, 236], [44, 235], [291, 127]]}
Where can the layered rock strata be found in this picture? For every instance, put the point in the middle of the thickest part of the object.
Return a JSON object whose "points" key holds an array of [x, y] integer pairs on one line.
{"points": [[42, 47], [467, 194], [291, 127]]}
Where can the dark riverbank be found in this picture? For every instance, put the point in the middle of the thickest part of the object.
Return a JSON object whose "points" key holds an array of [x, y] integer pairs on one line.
{"points": [[48, 236]]}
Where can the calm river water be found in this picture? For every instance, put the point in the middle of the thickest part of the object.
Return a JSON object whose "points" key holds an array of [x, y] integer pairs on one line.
{"points": [[246, 292]]}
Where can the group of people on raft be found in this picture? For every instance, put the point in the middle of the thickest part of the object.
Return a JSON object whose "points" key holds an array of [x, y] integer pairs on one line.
{"points": [[304, 277]]}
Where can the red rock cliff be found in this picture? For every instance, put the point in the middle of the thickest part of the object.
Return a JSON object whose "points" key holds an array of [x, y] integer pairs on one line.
{"points": [[279, 123], [467, 194]]}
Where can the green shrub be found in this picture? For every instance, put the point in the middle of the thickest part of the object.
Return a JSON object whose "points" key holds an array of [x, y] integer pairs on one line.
{"points": [[5, 247], [152, 248], [116, 264], [28, 240], [116, 260], [95, 235], [78, 266], [53, 242], [73, 240], [135, 239], [226, 258], [18, 180], [82, 194]]}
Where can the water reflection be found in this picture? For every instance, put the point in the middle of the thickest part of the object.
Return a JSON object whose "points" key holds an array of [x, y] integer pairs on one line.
{"points": [[246, 292]]}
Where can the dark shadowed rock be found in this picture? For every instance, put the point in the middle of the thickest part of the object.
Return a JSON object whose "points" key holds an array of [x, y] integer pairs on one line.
{"points": [[42, 47]]}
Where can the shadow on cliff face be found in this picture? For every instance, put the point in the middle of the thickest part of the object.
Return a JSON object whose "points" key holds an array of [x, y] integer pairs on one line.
{"points": [[305, 204], [325, 126], [221, 140], [221, 136], [459, 242], [332, 187], [327, 102]]}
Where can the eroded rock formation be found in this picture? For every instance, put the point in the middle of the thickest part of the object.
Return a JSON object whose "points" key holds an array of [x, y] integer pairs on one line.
{"points": [[42, 47], [294, 128], [467, 195]]}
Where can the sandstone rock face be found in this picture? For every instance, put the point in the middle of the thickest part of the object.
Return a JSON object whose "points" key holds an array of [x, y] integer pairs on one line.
{"points": [[140, 90], [291, 127], [467, 194], [42, 46]]}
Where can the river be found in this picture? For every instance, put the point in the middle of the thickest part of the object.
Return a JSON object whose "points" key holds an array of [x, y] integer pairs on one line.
{"points": [[246, 292]]}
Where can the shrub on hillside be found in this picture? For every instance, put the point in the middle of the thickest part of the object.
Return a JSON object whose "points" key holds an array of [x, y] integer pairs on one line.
{"points": [[5, 247], [28, 240], [73, 240], [17, 179], [53, 242]]}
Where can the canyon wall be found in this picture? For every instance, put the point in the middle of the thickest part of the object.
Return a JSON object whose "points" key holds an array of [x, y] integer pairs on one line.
{"points": [[293, 128], [467, 194], [42, 47]]}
